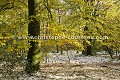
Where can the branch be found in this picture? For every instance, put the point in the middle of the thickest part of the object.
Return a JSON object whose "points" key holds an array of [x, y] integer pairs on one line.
{"points": [[4, 7], [49, 11]]}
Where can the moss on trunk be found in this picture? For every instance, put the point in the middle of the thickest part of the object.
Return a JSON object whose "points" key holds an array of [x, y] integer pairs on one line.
{"points": [[33, 30]]}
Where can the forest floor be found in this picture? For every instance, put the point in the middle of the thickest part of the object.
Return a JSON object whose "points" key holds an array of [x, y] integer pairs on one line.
{"points": [[68, 67]]}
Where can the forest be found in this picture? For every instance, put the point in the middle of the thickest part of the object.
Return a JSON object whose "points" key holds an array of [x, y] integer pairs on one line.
{"points": [[59, 40]]}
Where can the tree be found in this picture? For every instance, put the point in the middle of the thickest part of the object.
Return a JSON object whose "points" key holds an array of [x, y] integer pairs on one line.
{"points": [[91, 16], [33, 30]]}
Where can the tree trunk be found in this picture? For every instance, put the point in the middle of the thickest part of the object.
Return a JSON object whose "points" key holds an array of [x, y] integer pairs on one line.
{"points": [[88, 51], [88, 48], [33, 30], [110, 51], [61, 49], [59, 22], [57, 48]]}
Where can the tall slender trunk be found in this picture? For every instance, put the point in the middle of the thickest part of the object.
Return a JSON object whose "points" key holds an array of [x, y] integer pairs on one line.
{"points": [[33, 30], [59, 22]]}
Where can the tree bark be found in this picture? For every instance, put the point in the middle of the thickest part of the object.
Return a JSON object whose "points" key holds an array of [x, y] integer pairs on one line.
{"points": [[88, 50], [110, 51], [33, 30]]}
